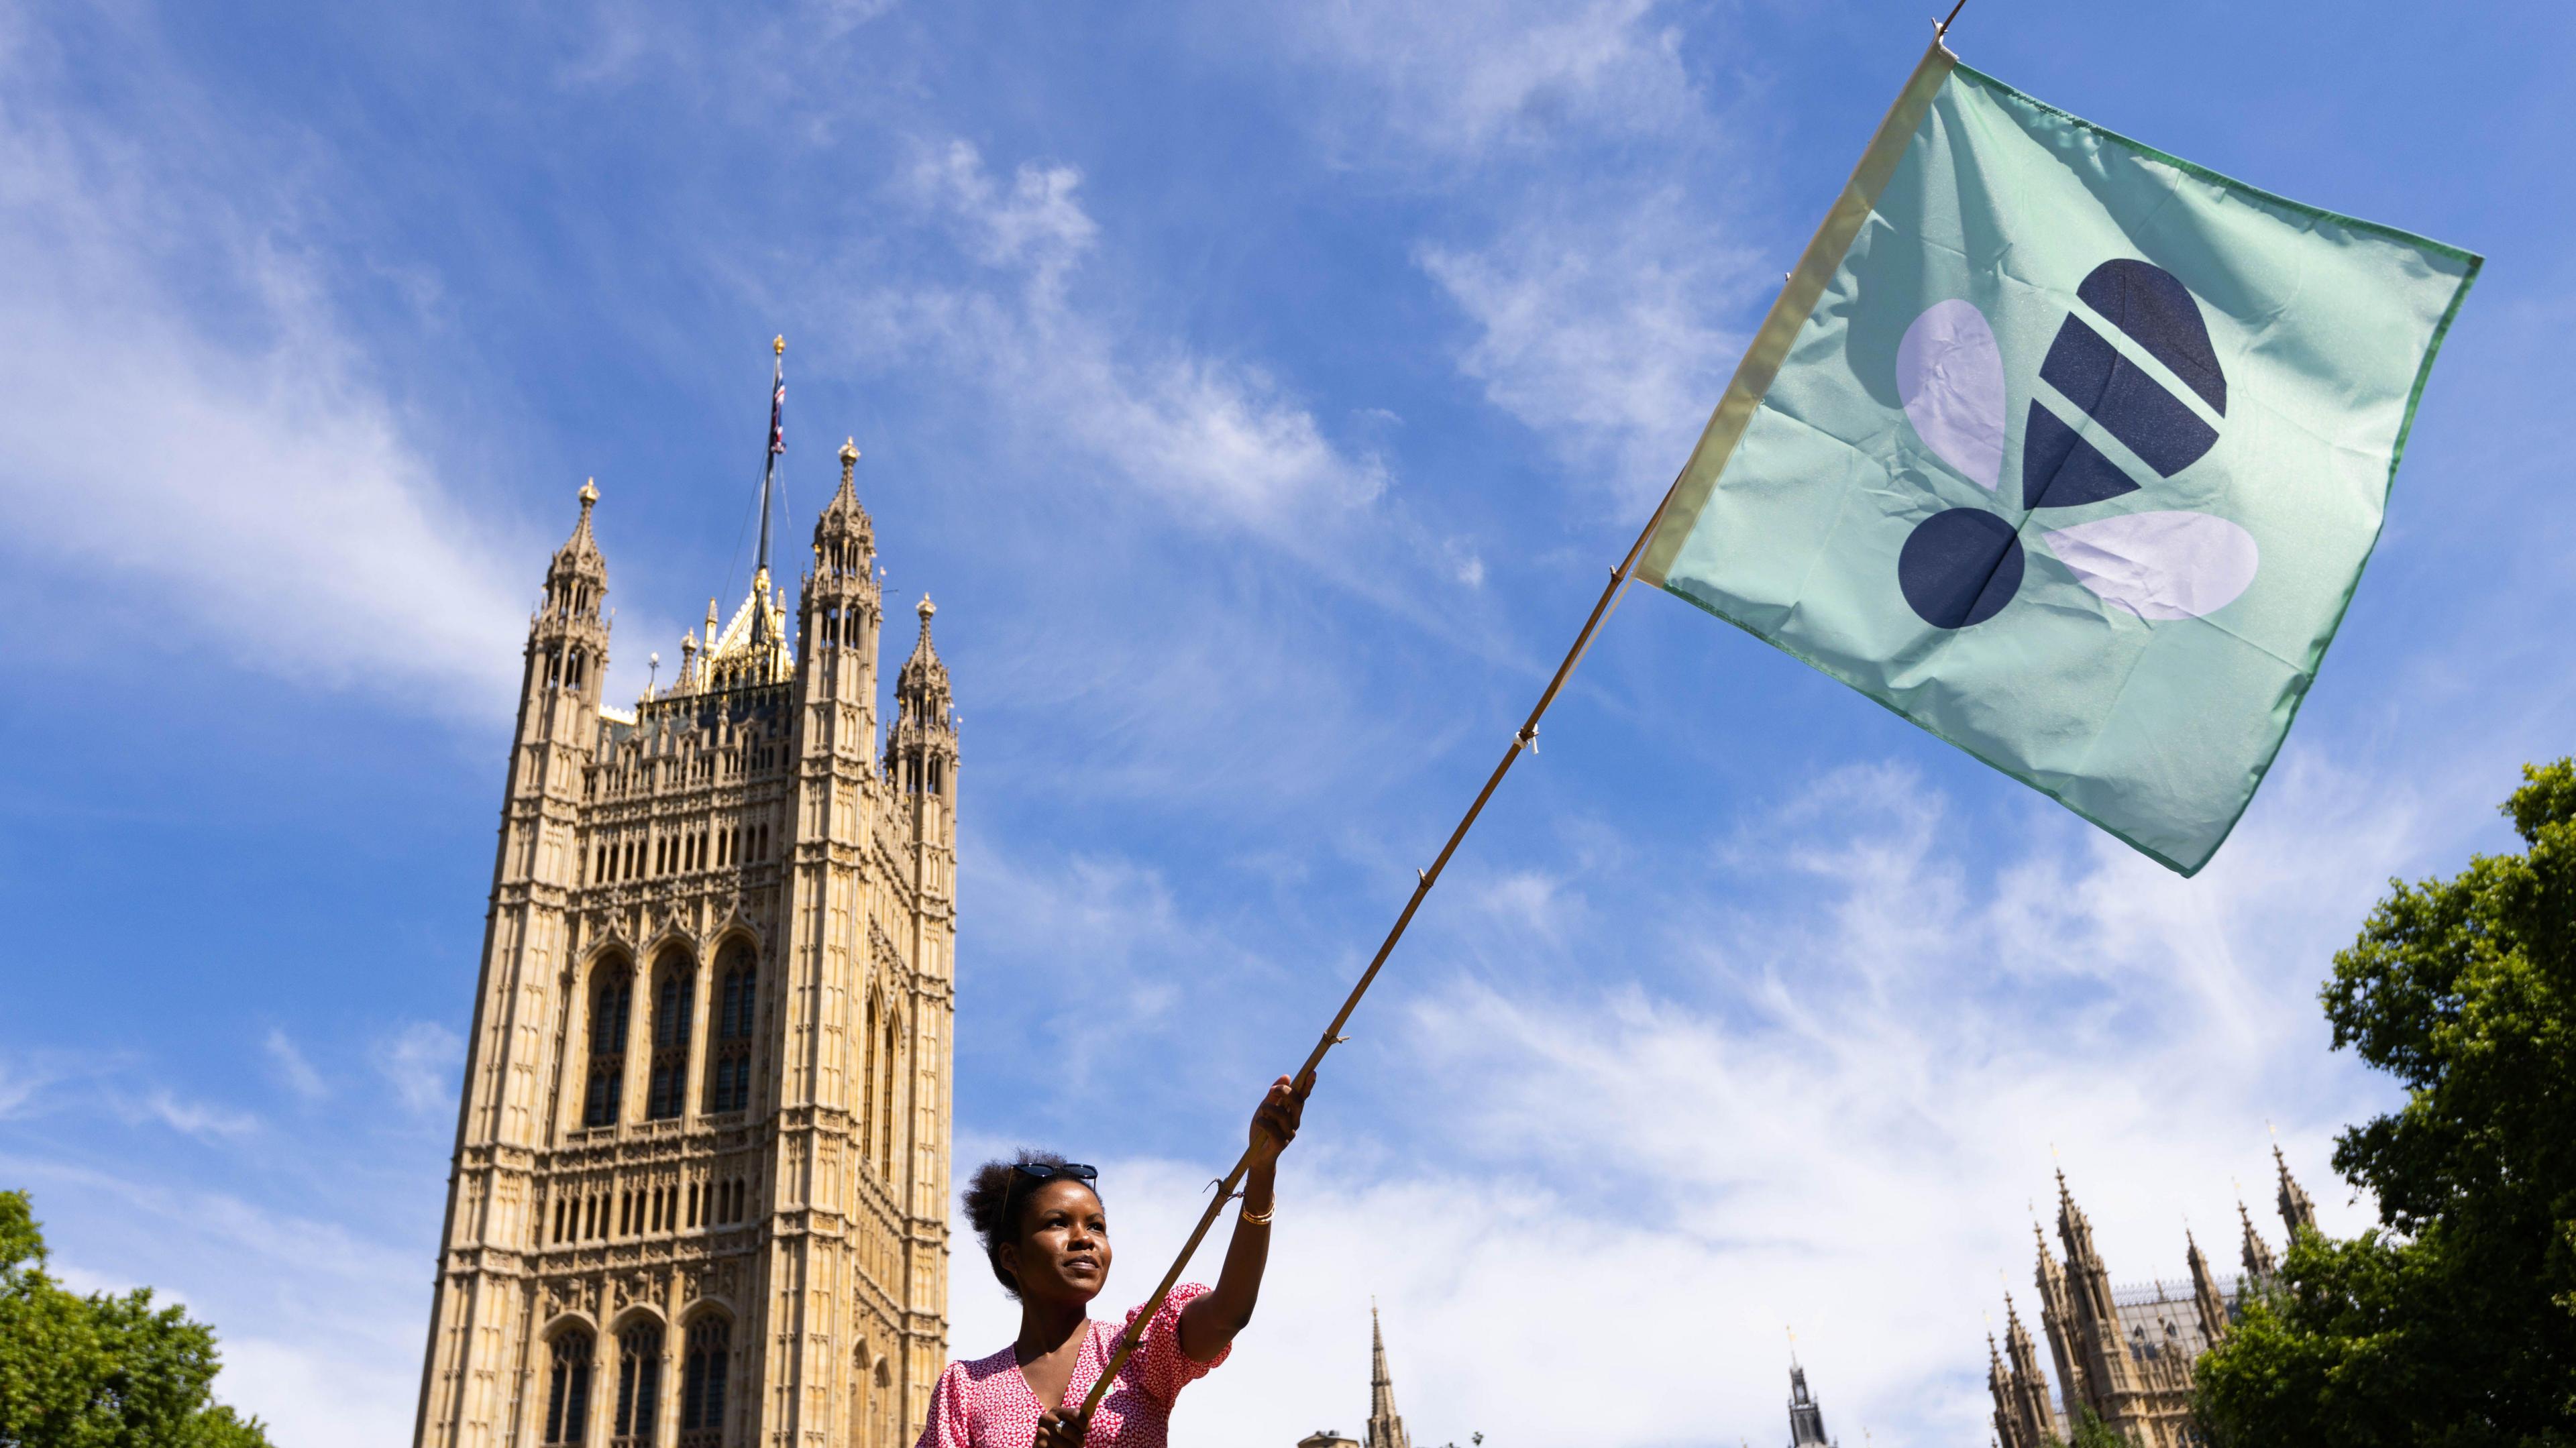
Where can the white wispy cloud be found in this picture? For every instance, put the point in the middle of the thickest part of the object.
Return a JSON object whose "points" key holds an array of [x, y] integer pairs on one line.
{"points": [[291, 1066], [1606, 288], [1218, 442], [1607, 330], [200, 1119], [1135, 966], [1037, 222], [420, 1061], [22, 1080], [188, 417], [1460, 80], [771, 56]]}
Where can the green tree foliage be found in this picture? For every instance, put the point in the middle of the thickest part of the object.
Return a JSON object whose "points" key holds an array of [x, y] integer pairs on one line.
{"points": [[102, 1371], [2453, 1323], [2092, 1432]]}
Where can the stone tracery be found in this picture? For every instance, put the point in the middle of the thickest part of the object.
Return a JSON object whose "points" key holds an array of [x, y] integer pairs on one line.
{"points": [[694, 896]]}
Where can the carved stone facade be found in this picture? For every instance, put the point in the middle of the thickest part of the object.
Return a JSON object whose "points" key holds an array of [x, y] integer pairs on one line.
{"points": [[700, 1188], [2124, 1354]]}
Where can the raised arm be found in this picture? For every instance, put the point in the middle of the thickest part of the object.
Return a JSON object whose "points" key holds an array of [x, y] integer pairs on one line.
{"points": [[1210, 1321]]}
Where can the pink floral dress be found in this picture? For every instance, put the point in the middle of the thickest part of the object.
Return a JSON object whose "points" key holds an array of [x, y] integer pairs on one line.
{"points": [[987, 1403]]}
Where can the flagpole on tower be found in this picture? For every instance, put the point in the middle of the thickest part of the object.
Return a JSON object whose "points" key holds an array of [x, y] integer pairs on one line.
{"points": [[768, 479]]}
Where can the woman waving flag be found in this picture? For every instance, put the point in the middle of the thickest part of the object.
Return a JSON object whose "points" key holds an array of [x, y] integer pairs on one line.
{"points": [[1046, 1232]]}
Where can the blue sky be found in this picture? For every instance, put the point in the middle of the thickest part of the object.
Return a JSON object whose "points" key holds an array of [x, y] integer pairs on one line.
{"points": [[1261, 392]]}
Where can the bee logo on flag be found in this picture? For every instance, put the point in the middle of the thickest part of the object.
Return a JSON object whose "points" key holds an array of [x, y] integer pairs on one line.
{"points": [[1963, 566]]}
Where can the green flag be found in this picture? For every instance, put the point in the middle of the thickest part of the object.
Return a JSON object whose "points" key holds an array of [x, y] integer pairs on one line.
{"points": [[2067, 450]]}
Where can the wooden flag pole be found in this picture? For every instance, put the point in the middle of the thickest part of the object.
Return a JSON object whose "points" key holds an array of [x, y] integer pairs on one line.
{"points": [[1526, 738]]}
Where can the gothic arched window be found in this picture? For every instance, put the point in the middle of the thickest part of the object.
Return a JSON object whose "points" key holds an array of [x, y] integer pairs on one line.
{"points": [[885, 1094], [737, 999], [702, 1383], [868, 1085], [674, 998], [639, 1384], [568, 1388], [611, 1003]]}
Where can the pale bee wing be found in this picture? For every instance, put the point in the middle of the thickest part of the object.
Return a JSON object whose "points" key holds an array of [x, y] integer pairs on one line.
{"points": [[1950, 376], [2160, 566]]}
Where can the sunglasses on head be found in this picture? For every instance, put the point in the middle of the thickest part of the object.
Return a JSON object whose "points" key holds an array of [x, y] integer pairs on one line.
{"points": [[1041, 1172]]}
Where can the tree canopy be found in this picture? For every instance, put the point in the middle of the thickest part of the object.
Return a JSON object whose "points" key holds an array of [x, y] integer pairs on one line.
{"points": [[2452, 1323], [103, 1371], [2092, 1432]]}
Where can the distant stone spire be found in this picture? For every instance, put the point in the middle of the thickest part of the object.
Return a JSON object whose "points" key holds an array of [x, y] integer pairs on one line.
{"points": [[2072, 1227], [2096, 1344], [2258, 1253], [1385, 1425], [581, 538], [845, 516], [2296, 1210], [1806, 1416], [922, 687], [2058, 1319], [2019, 1386], [578, 562], [2205, 1295], [568, 634]]}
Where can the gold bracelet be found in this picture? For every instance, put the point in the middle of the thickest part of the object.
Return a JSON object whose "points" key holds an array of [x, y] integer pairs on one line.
{"points": [[1260, 1219]]}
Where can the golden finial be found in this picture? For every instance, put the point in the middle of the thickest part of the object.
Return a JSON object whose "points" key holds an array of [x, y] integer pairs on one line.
{"points": [[589, 491], [927, 608], [778, 345], [849, 452]]}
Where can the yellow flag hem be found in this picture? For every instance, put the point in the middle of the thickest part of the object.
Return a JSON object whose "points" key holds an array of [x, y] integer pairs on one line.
{"points": [[1797, 301]]}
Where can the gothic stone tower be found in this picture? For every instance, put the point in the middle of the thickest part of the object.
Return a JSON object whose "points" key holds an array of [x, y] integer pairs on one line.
{"points": [[2124, 1355], [699, 1196]]}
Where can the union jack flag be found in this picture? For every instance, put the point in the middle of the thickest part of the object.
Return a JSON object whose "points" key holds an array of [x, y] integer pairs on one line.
{"points": [[778, 415]]}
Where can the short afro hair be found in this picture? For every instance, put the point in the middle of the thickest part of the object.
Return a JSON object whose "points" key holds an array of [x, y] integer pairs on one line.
{"points": [[990, 1194]]}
